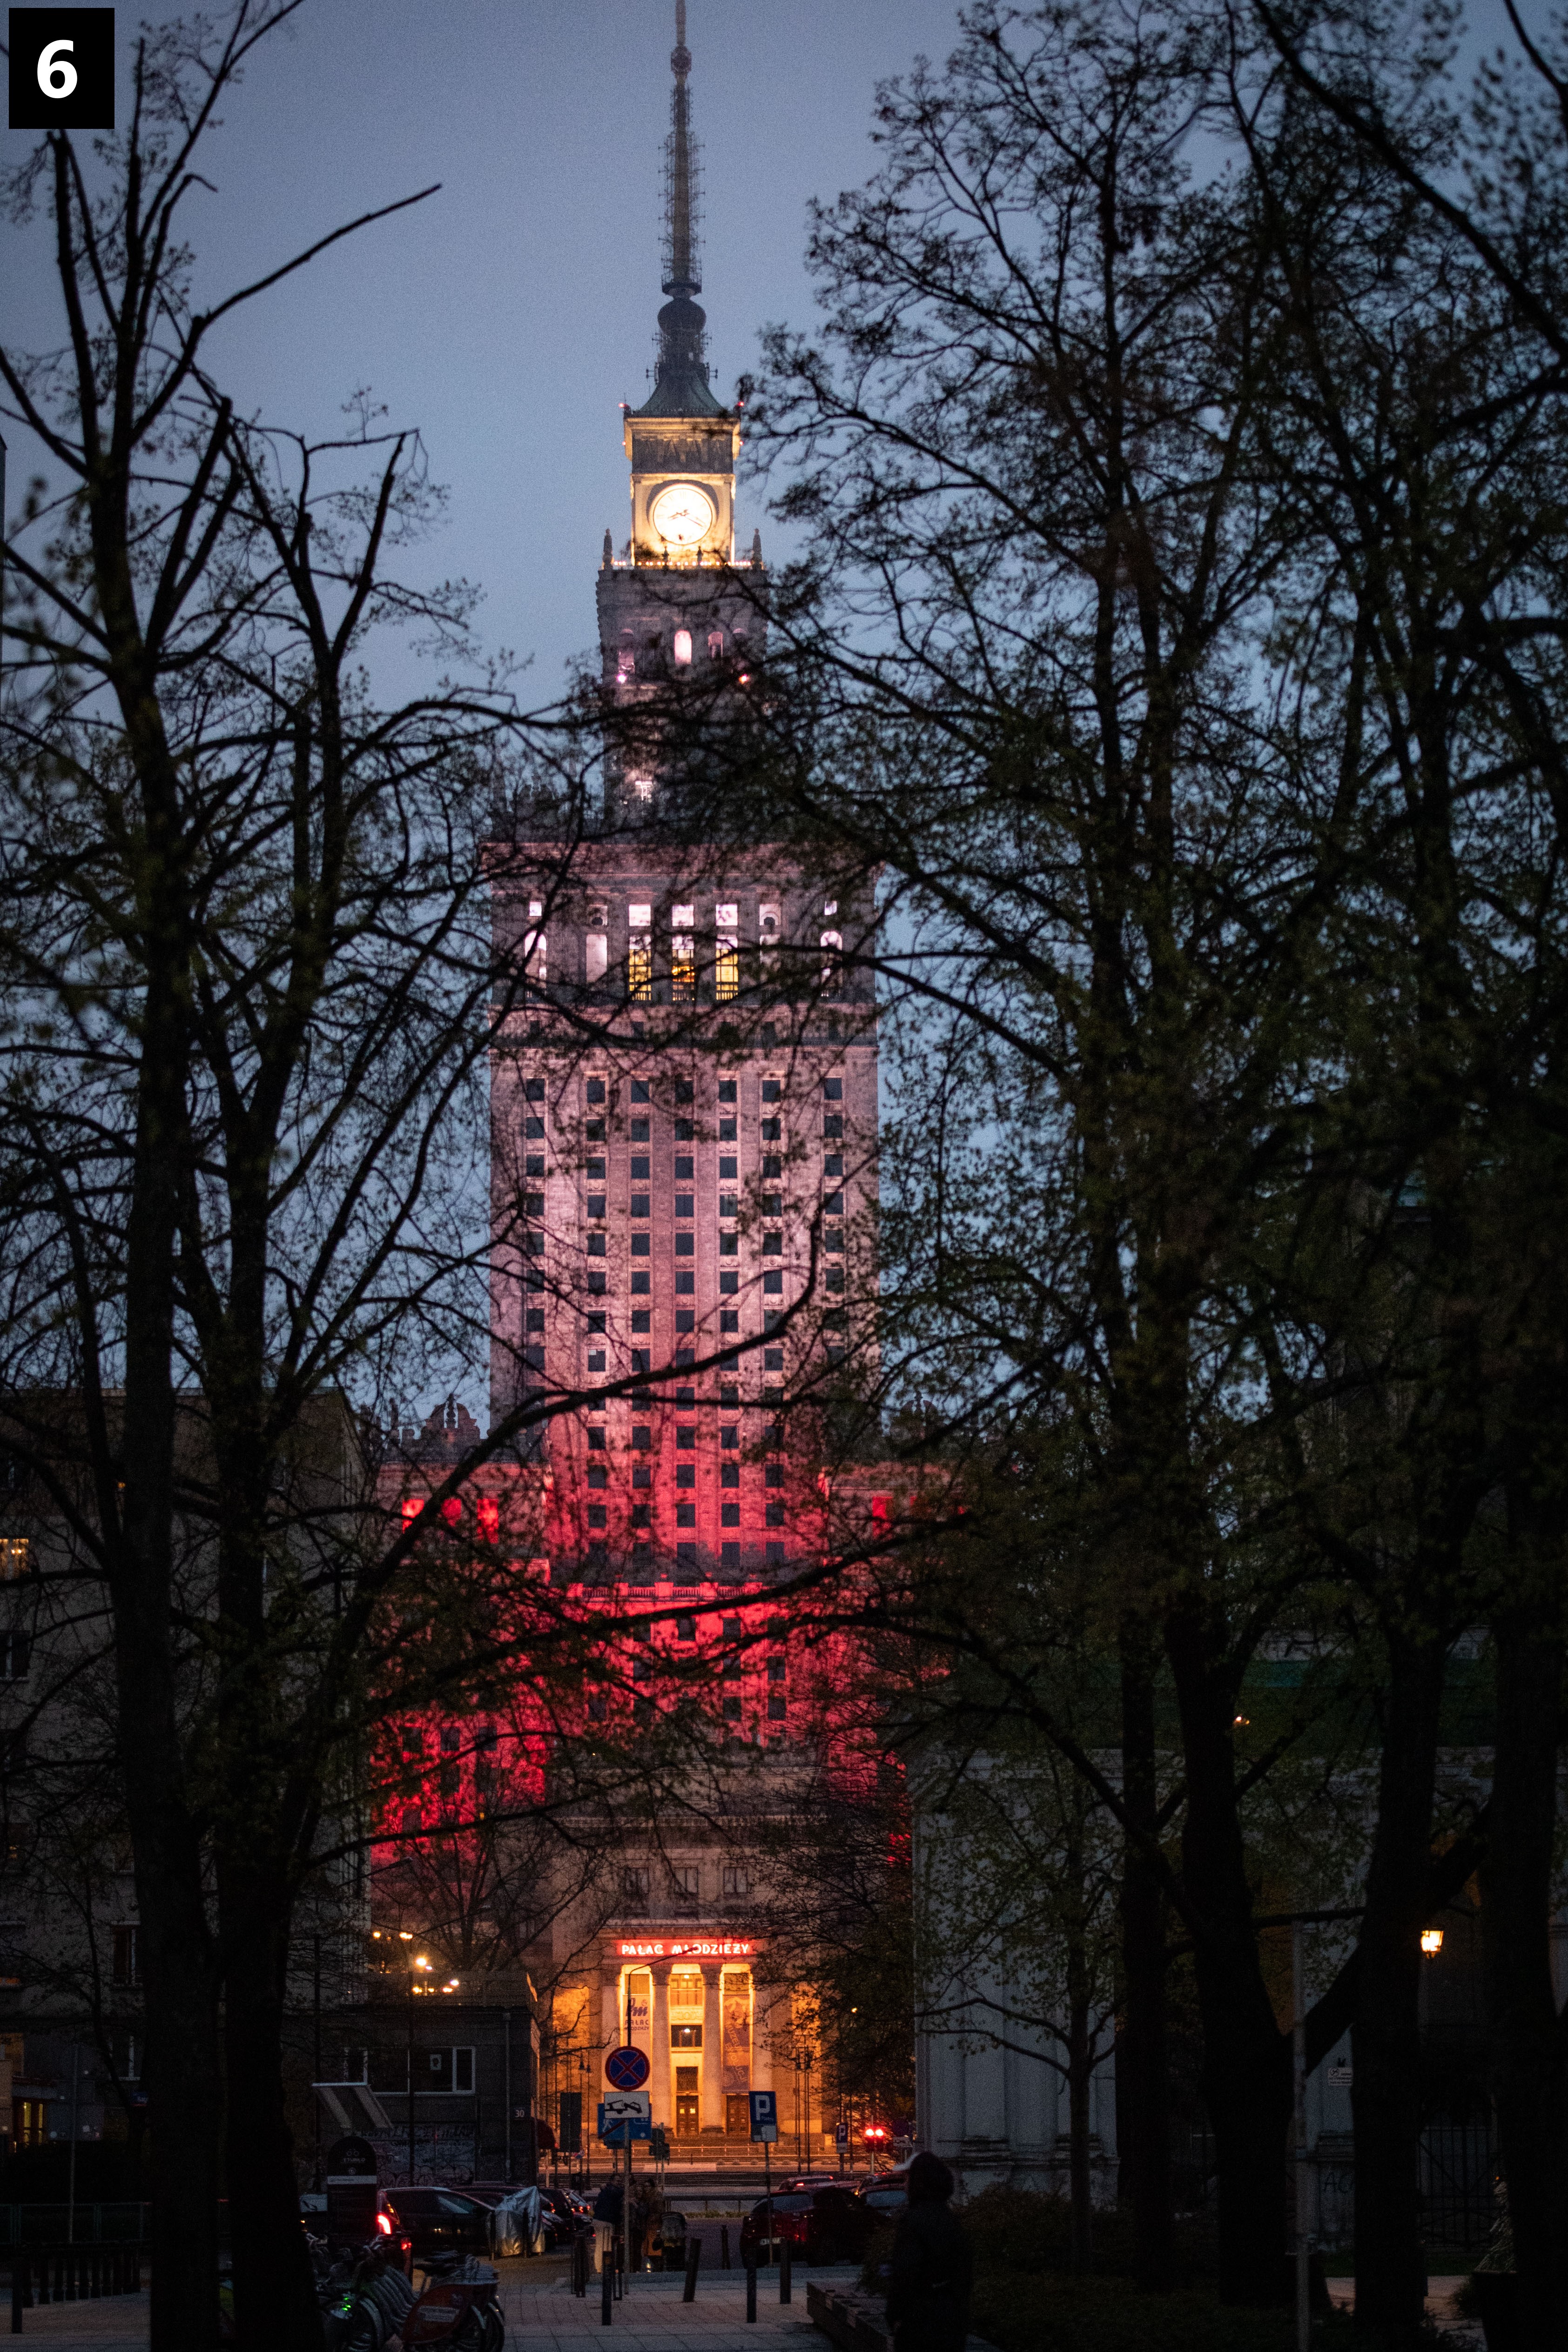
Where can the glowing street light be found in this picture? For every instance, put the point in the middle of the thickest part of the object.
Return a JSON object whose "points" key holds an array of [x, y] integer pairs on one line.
{"points": [[1431, 1941]]}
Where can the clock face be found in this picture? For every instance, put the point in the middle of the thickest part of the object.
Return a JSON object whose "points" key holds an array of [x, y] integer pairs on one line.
{"points": [[682, 514]]}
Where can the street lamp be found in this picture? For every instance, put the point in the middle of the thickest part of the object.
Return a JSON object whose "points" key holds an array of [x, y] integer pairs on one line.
{"points": [[418, 1964], [1431, 1941]]}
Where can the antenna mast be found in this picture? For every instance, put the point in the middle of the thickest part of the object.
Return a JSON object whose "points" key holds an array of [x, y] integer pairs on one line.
{"points": [[683, 270]]}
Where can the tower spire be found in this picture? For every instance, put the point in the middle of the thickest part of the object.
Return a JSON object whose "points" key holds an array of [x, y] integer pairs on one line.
{"points": [[680, 384], [682, 272]]}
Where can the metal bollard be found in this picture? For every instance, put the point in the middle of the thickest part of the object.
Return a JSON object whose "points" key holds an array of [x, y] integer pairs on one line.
{"points": [[606, 2285], [783, 2270], [723, 2262], [693, 2256], [751, 2290]]}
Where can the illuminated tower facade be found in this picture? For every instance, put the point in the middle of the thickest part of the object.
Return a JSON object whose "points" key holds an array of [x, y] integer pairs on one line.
{"points": [[684, 1113]]}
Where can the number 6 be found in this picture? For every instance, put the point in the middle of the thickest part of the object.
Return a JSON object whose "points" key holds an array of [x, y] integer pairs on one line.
{"points": [[56, 76]]}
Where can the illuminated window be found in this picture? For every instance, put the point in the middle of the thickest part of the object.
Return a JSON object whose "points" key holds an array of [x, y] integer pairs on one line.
{"points": [[832, 962], [683, 968], [534, 945], [725, 967], [639, 953], [716, 644], [13, 1556], [683, 646], [596, 957]]}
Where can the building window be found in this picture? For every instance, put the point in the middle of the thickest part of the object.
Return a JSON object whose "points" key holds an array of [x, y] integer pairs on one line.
{"points": [[772, 1131], [596, 958], [13, 1558], [775, 1515], [732, 1705], [686, 1473], [729, 1514], [683, 646], [773, 1245], [729, 1474], [737, 1879], [773, 1284], [726, 968], [635, 1881], [128, 1956], [777, 1708], [595, 1090], [639, 953], [16, 1650]]}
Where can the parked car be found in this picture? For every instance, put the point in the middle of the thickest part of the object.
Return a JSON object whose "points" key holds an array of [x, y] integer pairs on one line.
{"points": [[563, 2215], [886, 2197], [313, 2216], [439, 2221], [826, 2223]]}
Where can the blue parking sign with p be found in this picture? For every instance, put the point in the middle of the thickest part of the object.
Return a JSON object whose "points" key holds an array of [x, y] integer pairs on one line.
{"points": [[764, 2115]]}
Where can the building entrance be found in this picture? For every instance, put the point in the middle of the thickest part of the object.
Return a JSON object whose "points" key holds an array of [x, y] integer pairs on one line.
{"points": [[737, 2115], [688, 2105]]}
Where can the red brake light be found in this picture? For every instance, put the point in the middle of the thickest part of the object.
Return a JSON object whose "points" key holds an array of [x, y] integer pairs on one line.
{"points": [[384, 2225]]}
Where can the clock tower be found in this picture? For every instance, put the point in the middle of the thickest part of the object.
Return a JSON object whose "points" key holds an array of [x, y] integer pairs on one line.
{"points": [[677, 601]]}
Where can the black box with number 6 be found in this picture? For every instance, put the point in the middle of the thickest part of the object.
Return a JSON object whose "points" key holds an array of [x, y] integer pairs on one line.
{"points": [[62, 68]]}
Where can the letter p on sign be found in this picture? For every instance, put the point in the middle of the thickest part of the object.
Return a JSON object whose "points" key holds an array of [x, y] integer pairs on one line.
{"points": [[62, 68]]}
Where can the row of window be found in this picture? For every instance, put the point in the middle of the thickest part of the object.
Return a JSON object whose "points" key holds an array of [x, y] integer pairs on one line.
{"points": [[598, 1090]]}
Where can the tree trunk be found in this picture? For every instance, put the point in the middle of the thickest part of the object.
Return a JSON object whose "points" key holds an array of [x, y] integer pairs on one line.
{"points": [[1142, 2101], [1246, 2058], [181, 2070], [1080, 2059], [1386, 2094], [275, 2296], [1528, 2045], [180, 2073]]}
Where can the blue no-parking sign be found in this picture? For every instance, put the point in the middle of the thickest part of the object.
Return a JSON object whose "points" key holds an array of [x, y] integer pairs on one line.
{"points": [[626, 2069]]}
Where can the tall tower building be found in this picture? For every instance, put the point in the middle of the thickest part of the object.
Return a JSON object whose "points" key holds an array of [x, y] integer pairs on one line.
{"points": [[684, 1115]]}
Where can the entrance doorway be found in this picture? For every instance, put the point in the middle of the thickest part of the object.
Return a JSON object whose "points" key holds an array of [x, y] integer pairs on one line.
{"points": [[688, 2105], [737, 2115]]}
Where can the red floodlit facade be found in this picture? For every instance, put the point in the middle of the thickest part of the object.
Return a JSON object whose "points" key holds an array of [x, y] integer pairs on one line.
{"points": [[684, 1121]]}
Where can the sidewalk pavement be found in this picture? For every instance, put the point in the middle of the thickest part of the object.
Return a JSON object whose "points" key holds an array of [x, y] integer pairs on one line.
{"points": [[651, 2317], [542, 2315]]}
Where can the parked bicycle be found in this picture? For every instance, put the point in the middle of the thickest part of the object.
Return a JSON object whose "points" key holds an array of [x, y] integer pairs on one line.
{"points": [[368, 2304]]}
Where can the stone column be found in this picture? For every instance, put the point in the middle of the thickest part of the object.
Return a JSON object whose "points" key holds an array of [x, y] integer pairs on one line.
{"points": [[661, 2085], [609, 2024], [713, 2050]]}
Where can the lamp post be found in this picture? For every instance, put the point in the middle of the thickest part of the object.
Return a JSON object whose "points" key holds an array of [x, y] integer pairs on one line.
{"points": [[418, 1964]]}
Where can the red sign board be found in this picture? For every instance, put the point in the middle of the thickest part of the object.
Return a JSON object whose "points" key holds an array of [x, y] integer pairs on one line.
{"points": [[686, 1948]]}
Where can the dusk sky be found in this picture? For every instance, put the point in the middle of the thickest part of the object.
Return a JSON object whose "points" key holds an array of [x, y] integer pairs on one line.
{"points": [[509, 315]]}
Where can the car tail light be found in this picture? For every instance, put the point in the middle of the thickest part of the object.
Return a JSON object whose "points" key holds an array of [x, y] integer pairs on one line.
{"points": [[384, 2225]]}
